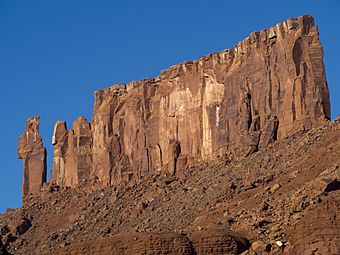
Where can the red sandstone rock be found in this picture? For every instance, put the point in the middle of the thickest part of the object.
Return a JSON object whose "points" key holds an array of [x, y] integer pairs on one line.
{"points": [[318, 231], [270, 85], [285, 194], [132, 243], [218, 242], [72, 161], [31, 150], [201, 243]]}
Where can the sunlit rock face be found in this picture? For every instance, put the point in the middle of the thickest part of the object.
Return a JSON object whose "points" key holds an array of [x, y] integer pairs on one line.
{"points": [[268, 86], [72, 159], [33, 154]]}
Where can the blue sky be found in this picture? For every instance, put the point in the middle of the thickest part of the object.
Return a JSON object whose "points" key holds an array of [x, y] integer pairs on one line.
{"points": [[55, 54]]}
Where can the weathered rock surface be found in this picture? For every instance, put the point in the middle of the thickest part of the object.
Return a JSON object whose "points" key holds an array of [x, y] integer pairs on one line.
{"points": [[218, 242], [133, 243], [16, 227], [284, 194], [33, 153], [72, 159], [186, 133], [212, 242], [270, 85], [318, 231]]}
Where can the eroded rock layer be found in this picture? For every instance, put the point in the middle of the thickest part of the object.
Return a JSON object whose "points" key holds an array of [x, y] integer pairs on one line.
{"points": [[200, 243], [72, 159], [270, 85], [33, 153], [284, 199]]}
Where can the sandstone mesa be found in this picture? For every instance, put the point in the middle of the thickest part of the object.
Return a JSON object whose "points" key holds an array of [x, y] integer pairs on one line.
{"points": [[270, 85], [221, 155]]}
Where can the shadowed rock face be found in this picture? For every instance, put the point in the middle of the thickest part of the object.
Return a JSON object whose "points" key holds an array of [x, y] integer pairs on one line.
{"points": [[270, 85], [3, 250], [33, 153]]}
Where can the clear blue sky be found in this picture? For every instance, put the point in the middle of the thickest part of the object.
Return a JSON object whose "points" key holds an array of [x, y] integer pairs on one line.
{"points": [[55, 54]]}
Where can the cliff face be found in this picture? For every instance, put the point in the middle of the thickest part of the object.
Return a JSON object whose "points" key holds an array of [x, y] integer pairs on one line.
{"points": [[270, 85]]}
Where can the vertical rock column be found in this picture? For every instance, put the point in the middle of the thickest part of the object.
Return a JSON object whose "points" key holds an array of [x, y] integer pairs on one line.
{"points": [[33, 153], [60, 146], [82, 148], [72, 161]]}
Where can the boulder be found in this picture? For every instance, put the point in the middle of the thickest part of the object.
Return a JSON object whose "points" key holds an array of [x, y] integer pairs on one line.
{"points": [[258, 246]]}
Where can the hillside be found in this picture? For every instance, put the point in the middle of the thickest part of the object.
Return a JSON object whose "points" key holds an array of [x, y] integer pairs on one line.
{"points": [[233, 153], [287, 192]]}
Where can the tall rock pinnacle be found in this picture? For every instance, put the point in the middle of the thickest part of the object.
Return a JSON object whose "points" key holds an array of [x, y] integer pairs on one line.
{"points": [[33, 153], [72, 161]]}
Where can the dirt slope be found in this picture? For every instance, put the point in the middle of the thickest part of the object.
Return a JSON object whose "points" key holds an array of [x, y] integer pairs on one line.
{"points": [[283, 199]]}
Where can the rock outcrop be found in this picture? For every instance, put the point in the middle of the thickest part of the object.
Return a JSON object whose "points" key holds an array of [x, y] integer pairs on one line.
{"points": [[17, 226], [284, 199], [218, 242], [270, 85], [200, 243], [33, 153], [72, 159], [132, 243], [190, 138]]}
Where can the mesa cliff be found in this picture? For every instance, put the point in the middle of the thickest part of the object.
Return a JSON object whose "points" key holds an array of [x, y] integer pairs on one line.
{"points": [[269, 86], [233, 153]]}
